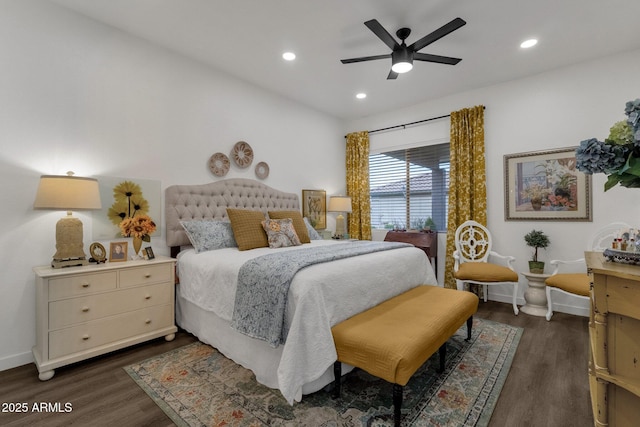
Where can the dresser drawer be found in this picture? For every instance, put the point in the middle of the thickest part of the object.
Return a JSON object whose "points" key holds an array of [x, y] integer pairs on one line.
{"points": [[108, 330], [146, 275], [72, 311], [85, 284]]}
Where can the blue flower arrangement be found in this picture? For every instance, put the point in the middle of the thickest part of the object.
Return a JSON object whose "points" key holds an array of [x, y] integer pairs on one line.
{"points": [[619, 155]]}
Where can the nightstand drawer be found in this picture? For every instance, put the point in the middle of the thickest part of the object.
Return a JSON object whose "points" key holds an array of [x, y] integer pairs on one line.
{"points": [[144, 275], [72, 311], [109, 330], [84, 284]]}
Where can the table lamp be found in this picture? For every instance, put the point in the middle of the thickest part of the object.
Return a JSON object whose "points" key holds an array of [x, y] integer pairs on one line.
{"points": [[68, 193], [340, 204]]}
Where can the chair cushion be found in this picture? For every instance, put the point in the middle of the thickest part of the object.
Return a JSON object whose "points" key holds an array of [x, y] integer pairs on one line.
{"points": [[485, 272], [575, 283]]}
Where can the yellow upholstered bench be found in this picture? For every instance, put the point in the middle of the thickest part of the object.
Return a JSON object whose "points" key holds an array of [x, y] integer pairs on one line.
{"points": [[393, 339]]}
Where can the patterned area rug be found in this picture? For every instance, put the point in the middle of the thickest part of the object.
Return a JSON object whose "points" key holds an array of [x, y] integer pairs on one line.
{"points": [[197, 386]]}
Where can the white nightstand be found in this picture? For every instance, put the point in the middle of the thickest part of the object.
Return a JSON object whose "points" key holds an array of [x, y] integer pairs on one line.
{"points": [[86, 311]]}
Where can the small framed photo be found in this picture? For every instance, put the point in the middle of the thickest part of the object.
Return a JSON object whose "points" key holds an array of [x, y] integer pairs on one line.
{"points": [[118, 251], [149, 252], [314, 207]]}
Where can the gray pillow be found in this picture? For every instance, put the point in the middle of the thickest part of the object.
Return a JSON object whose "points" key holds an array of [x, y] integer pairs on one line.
{"points": [[209, 235], [313, 234]]}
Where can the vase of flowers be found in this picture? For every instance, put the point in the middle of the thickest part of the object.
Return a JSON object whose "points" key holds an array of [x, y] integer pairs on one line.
{"points": [[140, 228], [536, 239], [129, 213], [619, 155]]}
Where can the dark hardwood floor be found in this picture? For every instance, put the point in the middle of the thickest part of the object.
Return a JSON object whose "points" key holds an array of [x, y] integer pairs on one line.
{"points": [[547, 385]]}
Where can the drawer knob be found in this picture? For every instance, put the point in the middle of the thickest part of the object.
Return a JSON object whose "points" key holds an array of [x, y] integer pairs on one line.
{"points": [[85, 337], [85, 309], [85, 285], [147, 297], [147, 321], [147, 275]]}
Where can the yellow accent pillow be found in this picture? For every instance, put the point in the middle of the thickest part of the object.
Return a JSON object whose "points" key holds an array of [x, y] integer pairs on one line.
{"points": [[247, 228], [485, 272], [298, 223], [575, 283]]}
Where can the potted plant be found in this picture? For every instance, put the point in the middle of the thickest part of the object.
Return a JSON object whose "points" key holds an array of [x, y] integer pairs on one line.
{"points": [[536, 239]]}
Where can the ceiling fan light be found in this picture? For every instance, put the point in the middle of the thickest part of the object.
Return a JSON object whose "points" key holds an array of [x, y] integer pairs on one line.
{"points": [[402, 67], [401, 61]]}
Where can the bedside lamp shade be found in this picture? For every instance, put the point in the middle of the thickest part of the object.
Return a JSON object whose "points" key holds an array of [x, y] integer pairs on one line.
{"points": [[67, 193], [340, 204]]}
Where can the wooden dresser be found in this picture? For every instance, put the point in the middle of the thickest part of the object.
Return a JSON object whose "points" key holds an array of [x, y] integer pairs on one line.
{"points": [[427, 241], [614, 332], [83, 312]]}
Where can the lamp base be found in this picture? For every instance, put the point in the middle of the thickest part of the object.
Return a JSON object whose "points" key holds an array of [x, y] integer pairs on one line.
{"points": [[60, 263]]}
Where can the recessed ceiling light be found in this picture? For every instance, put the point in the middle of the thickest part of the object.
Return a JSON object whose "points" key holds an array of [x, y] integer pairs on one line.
{"points": [[289, 56], [528, 43], [361, 95]]}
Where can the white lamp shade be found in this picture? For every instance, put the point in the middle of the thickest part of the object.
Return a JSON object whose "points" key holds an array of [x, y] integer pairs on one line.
{"points": [[339, 204], [67, 193]]}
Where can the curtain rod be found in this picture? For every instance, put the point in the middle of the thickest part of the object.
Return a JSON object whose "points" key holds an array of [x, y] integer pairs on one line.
{"points": [[409, 124]]}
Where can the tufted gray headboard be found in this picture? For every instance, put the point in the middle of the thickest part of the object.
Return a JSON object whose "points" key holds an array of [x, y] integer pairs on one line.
{"points": [[210, 201]]}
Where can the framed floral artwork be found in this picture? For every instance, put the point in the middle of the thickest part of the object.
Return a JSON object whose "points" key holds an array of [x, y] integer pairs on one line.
{"points": [[546, 186], [314, 207]]}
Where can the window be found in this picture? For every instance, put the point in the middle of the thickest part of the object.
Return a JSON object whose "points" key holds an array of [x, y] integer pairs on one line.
{"points": [[410, 188]]}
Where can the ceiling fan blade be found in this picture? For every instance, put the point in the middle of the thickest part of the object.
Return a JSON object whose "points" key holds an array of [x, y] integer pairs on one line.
{"points": [[382, 34], [437, 34], [365, 58], [392, 75], [436, 58]]}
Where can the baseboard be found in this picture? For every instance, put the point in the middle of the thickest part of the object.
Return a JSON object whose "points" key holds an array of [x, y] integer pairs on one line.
{"points": [[15, 360], [559, 308]]}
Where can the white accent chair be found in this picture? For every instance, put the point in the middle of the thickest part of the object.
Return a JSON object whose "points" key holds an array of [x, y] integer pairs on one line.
{"points": [[570, 277], [471, 261]]}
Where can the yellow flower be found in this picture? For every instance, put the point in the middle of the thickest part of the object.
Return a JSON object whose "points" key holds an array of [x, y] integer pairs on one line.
{"points": [[140, 226], [118, 211], [126, 189]]}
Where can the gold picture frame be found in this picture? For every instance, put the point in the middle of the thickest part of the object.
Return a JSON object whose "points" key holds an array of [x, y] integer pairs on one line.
{"points": [[546, 186], [118, 251], [98, 252], [314, 208]]}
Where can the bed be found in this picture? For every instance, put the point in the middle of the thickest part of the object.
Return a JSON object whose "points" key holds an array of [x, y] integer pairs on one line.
{"points": [[319, 296]]}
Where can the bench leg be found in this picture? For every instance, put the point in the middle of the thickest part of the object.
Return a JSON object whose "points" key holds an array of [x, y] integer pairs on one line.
{"points": [[469, 325], [337, 373], [397, 404], [443, 355]]}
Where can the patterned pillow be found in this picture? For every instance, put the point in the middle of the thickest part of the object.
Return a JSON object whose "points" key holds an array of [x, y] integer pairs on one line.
{"points": [[247, 228], [298, 223], [281, 233], [313, 234], [209, 235]]}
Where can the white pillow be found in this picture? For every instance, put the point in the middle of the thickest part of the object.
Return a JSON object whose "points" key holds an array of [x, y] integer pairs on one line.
{"points": [[313, 234], [209, 235]]}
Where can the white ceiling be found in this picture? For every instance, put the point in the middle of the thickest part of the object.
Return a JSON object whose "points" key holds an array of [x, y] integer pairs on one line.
{"points": [[246, 38]]}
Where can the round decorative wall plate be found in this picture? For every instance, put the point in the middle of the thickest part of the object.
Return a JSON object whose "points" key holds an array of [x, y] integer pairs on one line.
{"points": [[242, 154], [262, 170], [219, 164], [98, 252]]}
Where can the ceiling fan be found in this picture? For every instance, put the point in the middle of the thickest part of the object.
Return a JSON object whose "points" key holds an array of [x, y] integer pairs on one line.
{"points": [[402, 56]]}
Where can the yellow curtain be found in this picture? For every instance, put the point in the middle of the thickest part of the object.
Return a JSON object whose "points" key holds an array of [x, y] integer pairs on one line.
{"points": [[358, 185], [467, 178]]}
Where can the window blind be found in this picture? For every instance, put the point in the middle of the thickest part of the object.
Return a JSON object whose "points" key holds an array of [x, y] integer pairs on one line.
{"points": [[409, 188]]}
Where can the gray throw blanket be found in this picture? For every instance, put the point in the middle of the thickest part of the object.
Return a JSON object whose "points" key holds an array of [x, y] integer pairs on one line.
{"points": [[263, 285]]}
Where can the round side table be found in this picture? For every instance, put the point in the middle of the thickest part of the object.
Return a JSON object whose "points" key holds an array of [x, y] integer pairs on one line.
{"points": [[535, 295]]}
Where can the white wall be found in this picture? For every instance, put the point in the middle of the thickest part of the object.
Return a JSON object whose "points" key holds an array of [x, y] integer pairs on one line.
{"points": [[557, 109], [78, 95]]}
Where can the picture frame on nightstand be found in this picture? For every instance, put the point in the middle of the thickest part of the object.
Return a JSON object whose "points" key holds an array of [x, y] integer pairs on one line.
{"points": [[118, 251], [149, 252]]}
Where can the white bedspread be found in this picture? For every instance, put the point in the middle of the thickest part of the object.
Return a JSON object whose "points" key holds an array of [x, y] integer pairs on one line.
{"points": [[320, 296]]}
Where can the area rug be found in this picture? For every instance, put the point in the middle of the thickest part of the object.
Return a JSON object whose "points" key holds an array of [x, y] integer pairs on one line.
{"points": [[197, 386]]}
